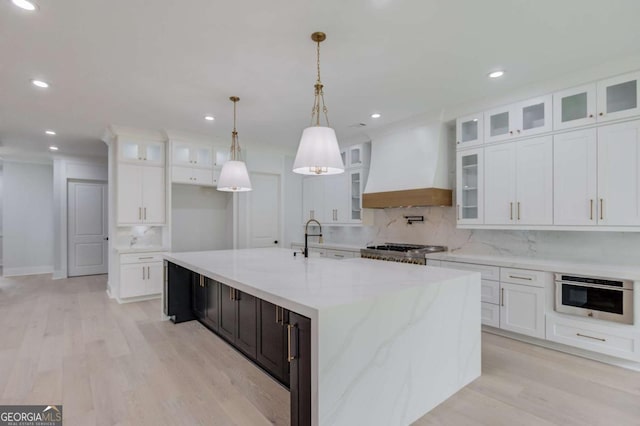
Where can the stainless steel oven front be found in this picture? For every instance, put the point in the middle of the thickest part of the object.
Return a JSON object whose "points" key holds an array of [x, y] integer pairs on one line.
{"points": [[600, 298]]}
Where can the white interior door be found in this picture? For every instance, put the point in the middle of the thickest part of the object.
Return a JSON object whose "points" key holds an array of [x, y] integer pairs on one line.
{"points": [[264, 210], [87, 228]]}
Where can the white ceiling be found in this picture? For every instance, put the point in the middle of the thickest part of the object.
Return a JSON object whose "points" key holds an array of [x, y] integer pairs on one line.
{"points": [[164, 64]]}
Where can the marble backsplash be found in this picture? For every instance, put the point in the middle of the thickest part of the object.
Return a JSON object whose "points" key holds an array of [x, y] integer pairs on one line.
{"points": [[439, 228]]}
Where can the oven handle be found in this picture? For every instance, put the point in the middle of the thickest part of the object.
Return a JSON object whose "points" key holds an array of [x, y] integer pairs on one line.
{"points": [[604, 287]]}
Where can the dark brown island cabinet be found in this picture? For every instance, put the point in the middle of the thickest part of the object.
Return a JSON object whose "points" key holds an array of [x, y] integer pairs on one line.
{"points": [[274, 338]]}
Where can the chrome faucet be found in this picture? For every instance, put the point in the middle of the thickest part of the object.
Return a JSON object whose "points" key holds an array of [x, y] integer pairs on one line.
{"points": [[307, 235]]}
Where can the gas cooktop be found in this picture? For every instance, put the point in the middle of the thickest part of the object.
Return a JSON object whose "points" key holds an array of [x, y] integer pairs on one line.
{"points": [[406, 253]]}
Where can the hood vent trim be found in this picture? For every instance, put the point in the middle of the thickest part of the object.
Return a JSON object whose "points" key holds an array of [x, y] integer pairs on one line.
{"points": [[422, 197]]}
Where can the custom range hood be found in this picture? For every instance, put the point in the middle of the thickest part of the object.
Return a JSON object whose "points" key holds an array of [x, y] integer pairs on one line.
{"points": [[409, 167]]}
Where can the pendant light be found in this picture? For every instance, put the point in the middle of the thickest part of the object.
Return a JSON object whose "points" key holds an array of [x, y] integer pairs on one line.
{"points": [[318, 152], [234, 176]]}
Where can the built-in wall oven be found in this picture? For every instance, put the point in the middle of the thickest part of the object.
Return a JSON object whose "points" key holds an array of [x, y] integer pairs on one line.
{"points": [[601, 298]]}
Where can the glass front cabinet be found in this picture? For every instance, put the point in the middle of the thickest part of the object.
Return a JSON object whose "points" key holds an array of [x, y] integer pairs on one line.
{"points": [[150, 153], [469, 187], [469, 131], [574, 107], [619, 97]]}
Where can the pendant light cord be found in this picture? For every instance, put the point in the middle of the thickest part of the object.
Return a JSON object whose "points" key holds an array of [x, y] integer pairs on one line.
{"points": [[235, 145]]}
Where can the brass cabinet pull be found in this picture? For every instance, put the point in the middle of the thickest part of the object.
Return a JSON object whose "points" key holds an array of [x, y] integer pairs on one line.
{"points": [[290, 356], [277, 318], [145, 213], [518, 210], [601, 209], [143, 273], [502, 297], [230, 293], [139, 213], [591, 337], [510, 211], [521, 278], [146, 257], [458, 208], [148, 272], [591, 209]]}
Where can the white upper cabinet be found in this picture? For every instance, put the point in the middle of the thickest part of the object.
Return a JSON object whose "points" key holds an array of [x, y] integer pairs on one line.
{"points": [[469, 131], [500, 124], [143, 152], [619, 97], [575, 178], [140, 195], [534, 181], [470, 186], [519, 183], [335, 205], [619, 174], [355, 156], [574, 107], [527, 118], [193, 155], [534, 116], [313, 199]]}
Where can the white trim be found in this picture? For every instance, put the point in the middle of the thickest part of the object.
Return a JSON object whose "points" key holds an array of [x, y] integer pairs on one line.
{"points": [[138, 299], [28, 270]]}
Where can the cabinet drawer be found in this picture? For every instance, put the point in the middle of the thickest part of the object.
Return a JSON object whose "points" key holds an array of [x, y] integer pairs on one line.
{"points": [[490, 292], [490, 314], [523, 276], [340, 254], [140, 258], [487, 272], [596, 337]]}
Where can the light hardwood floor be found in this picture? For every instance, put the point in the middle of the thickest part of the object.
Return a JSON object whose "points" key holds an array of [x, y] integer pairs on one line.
{"points": [[64, 342]]}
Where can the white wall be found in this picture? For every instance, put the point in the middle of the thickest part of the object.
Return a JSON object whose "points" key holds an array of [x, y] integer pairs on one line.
{"points": [[27, 218], [199, 218]]}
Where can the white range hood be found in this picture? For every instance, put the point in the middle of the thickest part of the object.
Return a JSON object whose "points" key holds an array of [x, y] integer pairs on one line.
{"points": [[409, 167]]}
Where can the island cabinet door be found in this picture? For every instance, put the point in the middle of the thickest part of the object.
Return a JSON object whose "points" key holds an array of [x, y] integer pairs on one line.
{"points": [[299, 356], [212, 310], [178, 293], [199, 295], [271, 352], [227, 326], [247, 324]]}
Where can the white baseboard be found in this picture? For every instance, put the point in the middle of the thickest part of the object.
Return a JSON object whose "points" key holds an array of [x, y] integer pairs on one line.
{"points": [[138, 299], [59, 275], [28, 270]]}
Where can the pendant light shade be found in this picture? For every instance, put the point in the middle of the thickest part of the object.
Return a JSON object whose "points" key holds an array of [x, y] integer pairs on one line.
{"points": [[234, 176], [318, 151]]}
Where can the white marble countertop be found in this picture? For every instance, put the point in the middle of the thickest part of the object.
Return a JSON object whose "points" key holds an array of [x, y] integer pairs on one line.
{"points": [[308, 286], [331, 246], [141, 249], [551, 265]]}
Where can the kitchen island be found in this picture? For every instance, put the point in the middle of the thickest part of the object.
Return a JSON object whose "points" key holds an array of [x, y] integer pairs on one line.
{"points": [[387, 342]]}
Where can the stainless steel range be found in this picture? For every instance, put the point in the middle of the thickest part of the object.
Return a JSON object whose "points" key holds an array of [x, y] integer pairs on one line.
{"points": [[405, 253]]}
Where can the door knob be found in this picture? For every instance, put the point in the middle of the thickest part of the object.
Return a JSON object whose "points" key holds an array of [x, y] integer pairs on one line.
{"points": [[106, 238], [275, 242]]}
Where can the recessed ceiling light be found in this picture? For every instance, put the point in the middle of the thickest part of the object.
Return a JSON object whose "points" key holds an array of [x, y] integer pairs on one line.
{"points": [[39, 83], [376, 115], [24, 4], [50, 132], [53, 148], [209, 117], [496, 74]]}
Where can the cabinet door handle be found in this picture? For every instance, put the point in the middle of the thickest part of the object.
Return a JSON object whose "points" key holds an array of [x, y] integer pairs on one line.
{"points": [[145, 213], [148, 272], [510, 211], [291, 329], [139, 213], [230, 293], [601, 208], [502, 297], [277, 318], [518, 210], [601, 114], [458, 208], [143, 277], [591, 209], [591, 337], [144, 258], [520, 278]]}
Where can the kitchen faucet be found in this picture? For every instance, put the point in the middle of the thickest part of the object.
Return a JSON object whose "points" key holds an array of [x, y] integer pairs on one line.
{"points": [[307, 235]]}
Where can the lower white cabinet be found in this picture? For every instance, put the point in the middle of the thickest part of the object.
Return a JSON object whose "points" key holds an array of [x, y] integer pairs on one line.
{"points": [[192, 175], [140, 275], [522, 309], [620, 341], [512, 299]]}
